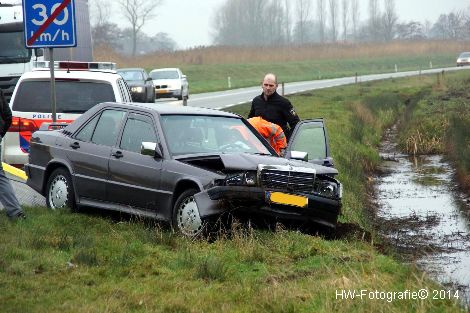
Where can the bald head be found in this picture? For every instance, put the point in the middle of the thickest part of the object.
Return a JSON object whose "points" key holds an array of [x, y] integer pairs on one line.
{"points": [[269, 84]]}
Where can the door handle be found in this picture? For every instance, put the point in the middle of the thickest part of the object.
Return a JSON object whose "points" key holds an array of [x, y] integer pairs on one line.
{"points": [[117, 154], [75, 145]]}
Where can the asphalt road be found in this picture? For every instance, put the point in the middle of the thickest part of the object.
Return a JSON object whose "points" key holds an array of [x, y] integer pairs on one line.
{"points": [[225, 99]]}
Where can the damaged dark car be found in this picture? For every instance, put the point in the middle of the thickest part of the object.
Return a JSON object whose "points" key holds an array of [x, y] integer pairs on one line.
{"points": [[184, 165]]}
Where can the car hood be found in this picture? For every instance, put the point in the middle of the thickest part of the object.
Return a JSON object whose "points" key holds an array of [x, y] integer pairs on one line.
{"points": [[166, 81], [248, 162], [132, 83]]}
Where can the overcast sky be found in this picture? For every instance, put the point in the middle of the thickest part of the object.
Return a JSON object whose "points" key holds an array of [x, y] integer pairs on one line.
{"points": [[189, 22]]}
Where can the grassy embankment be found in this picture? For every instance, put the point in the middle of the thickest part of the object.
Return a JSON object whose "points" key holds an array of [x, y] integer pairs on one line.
{"points": [[208, 68], [64, 262], [440, 122]]}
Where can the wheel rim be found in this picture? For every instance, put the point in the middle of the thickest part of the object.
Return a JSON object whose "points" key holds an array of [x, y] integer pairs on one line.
{"points": [[58, 192], [189, 221]]}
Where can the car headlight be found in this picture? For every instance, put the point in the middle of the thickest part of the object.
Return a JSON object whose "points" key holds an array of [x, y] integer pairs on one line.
{"points": [[241, 179], [137, 89], [327, 189]]}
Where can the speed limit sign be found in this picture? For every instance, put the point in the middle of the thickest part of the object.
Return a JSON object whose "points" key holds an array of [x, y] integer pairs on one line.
{"points": [[49, 23]]}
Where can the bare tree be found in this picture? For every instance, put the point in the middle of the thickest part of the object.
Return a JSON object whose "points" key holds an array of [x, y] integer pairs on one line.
{"points": [[137, 13], [344, 14], [321, 15], [374, 20], [334, 19], [450, 26], [287, 21], [389, 19], [355, 17], [303, 12]]}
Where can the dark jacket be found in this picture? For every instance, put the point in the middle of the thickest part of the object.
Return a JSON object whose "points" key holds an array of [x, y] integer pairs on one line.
{"points": [[5, 115], [277, 110]]}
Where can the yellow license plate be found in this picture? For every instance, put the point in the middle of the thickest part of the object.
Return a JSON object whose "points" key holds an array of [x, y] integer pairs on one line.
{"points": [[287, 199], [162, 91]]}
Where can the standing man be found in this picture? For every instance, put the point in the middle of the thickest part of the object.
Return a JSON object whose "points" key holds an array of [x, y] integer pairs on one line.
{"points": [[273, 107], [7, 195]]}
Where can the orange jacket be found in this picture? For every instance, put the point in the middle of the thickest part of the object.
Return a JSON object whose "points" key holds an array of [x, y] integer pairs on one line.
{"points": [[271, 132]]}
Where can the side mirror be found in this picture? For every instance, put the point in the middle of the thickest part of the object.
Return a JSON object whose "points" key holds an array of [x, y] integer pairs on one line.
{"points": [[38, 52], [149, 79], [183, 76], [298, 155], [152, 149]]}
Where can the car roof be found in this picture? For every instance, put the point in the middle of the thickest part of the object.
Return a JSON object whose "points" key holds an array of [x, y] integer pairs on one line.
{"points": [[130, 69], [170, 109], [93, 75], [165, 69]]}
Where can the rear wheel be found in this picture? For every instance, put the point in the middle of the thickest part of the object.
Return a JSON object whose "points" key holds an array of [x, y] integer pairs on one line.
{"points": [[59, 190], [186, 219]]}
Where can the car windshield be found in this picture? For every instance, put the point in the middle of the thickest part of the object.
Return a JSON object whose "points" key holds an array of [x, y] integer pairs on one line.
{"points": [[71, 96], [465, 55], [193, 134], [12, 49], [131, 75], [164, 75]]}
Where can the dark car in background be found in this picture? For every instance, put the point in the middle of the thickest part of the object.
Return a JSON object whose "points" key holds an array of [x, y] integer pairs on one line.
{"points": [[184, 165], [140, 84]]}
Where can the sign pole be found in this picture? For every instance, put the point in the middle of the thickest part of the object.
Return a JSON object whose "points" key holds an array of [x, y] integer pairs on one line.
{"points": [[53, 98]]}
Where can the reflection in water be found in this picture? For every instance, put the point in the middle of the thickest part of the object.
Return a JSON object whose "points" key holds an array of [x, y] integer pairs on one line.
{"points": [[419, 192]]}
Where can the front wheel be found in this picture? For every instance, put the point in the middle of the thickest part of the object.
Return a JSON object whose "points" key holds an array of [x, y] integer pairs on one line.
{"points": [[186, 219], [59, 190]]}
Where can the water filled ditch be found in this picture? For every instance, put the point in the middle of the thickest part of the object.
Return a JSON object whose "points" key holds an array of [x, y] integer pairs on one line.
{"points": [[424, 216]]}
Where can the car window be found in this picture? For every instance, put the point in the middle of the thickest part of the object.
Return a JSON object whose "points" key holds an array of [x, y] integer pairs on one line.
{"points": [[85, 133], [138, 129], [107, 129], [71, 96], [165, 75], [192, 134], [310, 138], [131, 75]]}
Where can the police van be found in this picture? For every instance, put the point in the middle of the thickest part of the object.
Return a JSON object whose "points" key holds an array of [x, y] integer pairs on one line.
{"points": [[79, 86]]}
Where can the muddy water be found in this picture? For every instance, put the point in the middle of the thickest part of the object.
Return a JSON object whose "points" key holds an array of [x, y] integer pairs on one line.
{"points": [[425, 217]]}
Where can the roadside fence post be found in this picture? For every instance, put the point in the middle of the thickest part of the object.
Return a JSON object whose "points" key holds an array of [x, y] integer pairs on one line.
{"points": [[430, 64], [229, 81], [282, 88], [420, 72], [396, 68], [355, 78]]}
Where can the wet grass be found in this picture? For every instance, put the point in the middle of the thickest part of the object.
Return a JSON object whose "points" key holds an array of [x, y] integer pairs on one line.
{"points": [[60, 261], [439, 123]]}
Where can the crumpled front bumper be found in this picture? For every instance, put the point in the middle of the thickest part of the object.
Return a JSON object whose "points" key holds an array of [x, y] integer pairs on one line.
{"points": [[220, 199]]}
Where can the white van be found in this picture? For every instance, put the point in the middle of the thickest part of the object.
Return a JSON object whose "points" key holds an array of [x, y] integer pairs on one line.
{"points": [[79, 86]]}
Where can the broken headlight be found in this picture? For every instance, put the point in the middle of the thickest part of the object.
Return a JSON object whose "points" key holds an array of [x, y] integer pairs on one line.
{"points": [[327, 189], [241, 179]]}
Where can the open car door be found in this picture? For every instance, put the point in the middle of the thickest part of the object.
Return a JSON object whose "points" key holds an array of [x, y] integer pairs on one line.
{"points": [[310, 136]]}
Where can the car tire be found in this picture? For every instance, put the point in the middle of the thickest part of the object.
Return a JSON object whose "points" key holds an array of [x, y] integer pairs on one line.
{"points": [[59, 190], [186, 219], [180, 97]]}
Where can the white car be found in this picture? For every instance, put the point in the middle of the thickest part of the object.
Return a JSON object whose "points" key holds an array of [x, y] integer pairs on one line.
{"points": [[170, 83], [463, 59], [79, 86]]}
